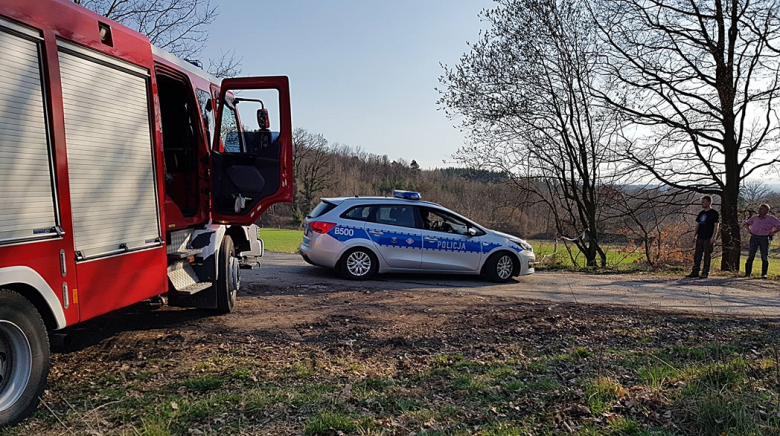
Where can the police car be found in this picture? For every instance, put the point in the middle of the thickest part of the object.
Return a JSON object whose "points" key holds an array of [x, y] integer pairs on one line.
{"points": [[363, 236]]}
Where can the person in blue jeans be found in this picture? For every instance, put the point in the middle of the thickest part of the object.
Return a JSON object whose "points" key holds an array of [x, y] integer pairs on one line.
{"points": [[761, 227], [705, 235]]}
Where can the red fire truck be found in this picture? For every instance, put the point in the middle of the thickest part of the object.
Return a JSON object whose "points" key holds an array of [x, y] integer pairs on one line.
{"points": [[125, 174]]}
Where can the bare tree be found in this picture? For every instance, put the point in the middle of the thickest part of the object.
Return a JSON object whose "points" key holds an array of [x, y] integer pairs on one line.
{"points": [[523, 94], [312, 166], [226, 65], [178, 26], [700, 81]]}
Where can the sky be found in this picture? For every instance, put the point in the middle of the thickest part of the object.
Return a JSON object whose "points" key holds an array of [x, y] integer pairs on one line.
{"points": [[362, 73]]}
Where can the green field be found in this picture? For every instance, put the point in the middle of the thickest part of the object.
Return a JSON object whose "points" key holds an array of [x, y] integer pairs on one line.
{"points": [[281, 240], [287, 241]]}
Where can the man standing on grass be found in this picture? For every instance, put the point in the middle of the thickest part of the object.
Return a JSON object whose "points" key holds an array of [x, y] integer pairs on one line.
{"points": [[705, 235], [761, 228]]}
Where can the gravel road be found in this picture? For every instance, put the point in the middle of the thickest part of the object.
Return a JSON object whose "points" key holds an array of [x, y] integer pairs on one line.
{"points": [[719, 296]]}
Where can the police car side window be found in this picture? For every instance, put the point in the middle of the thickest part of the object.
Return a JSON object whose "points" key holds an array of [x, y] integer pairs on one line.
{"points": [[402, 216], [359, 213], [440, 221]]}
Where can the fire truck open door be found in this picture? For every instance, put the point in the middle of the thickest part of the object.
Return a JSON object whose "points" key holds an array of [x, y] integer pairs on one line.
{"points": [[251, 170]]}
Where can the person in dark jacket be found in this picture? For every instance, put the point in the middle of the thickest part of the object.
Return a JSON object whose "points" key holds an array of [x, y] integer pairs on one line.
{"points": [[705, 235]]}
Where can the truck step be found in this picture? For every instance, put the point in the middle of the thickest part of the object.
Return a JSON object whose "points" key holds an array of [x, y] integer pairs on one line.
{"points": [[183, 254], [182, 275], [194, 288]]}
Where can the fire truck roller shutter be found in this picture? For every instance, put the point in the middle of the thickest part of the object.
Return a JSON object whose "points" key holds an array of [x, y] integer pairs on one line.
{"points": [[26, 199], [110, 163]]}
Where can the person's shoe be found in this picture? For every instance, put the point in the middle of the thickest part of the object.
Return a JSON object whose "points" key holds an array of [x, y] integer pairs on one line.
{"points": [[747, 275], [763, 276], [704, 276], [692, 276]]}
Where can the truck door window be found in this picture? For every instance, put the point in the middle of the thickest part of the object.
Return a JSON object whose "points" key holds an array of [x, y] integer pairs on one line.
{"points": [[258, 112], [206, 111], [229, 131]]}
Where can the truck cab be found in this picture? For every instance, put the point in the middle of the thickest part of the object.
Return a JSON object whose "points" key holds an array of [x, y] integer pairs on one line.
{"points": [[220, 172]]}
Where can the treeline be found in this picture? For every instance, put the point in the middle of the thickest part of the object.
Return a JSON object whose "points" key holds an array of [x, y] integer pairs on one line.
{"points": [[650, 219]]}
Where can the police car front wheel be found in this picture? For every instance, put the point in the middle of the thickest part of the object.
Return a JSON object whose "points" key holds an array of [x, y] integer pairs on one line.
{"points": [[500, 267], [358, 264]]}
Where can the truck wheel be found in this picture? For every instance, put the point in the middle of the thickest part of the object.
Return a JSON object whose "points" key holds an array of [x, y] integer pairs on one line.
{"points": [[358, 264], [228, 278], [24, 357], [499, 267]]}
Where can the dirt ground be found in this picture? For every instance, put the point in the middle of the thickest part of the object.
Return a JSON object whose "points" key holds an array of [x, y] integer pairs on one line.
{"points": [[307, 353]]}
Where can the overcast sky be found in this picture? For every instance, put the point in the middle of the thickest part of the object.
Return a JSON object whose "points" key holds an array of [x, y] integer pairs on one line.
{"points": [[361, 72]]}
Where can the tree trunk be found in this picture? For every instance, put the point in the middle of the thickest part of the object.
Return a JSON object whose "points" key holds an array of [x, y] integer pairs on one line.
{"points": [[732, 244], [592, 249], [730, 196]]}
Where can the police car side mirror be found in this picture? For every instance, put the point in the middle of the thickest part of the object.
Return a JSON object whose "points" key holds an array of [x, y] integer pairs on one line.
{"points": [[472, 231]]}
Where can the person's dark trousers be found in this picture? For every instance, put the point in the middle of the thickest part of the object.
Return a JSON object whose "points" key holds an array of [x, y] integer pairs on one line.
{"points": [[758, 243], [703, 249]]}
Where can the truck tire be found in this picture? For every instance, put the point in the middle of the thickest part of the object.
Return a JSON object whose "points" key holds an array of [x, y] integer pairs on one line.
{"points": [[500, 267], [228, 276], [24, 357], [358, 264]]}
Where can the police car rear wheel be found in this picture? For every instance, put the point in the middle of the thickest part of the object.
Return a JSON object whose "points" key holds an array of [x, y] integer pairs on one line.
{"points": [[24, 357], [358, 264], [499, 267]]}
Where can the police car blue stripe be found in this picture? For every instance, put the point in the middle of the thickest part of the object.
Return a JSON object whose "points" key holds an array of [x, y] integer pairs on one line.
{"points": [[487, 247], [398, 240], [454, 245], [345, 233]]}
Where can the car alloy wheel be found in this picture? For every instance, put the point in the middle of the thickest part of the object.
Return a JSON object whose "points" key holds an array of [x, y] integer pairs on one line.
{"points": [[504, 267], [358, 263]]}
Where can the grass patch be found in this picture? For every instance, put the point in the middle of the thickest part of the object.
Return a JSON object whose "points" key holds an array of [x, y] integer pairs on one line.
{"points": [[656, 376], [328, 423], [602, 394], [281, 240], [203, 383], [471, 384]]}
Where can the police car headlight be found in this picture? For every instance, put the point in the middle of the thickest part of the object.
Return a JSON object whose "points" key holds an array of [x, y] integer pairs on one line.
{"points": [[524, 245]]}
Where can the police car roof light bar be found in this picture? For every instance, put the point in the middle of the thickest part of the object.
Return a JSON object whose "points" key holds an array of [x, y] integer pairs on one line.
{"points": [[408, 195]]}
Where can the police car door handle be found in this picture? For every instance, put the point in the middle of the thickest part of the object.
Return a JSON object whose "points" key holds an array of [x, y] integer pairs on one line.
{"points": [[431, 239], [376, 232]]}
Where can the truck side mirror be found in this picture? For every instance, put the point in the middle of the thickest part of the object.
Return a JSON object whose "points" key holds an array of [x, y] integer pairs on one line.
{"points": [[262, 119]]}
